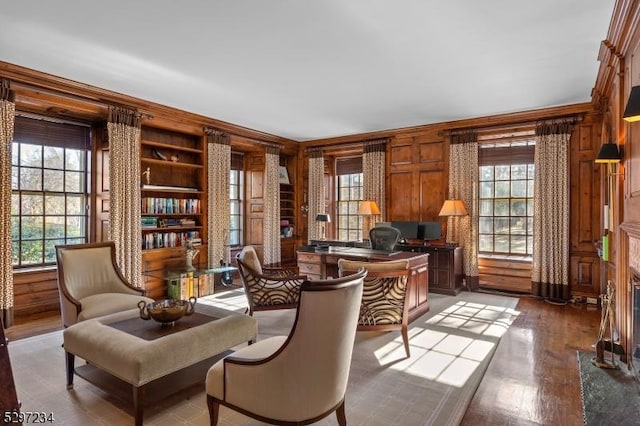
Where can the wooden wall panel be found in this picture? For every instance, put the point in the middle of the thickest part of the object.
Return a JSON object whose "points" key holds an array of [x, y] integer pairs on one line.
{"points": [[399, 196], [35, 292], [432, 194]]}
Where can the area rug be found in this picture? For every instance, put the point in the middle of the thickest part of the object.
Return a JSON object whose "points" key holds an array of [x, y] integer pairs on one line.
{"points": [[451, 348], [609, 397]]}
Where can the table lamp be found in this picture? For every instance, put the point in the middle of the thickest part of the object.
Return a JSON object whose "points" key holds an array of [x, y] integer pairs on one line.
{"points": [[323, 218], [369, 209], [453, 208]]}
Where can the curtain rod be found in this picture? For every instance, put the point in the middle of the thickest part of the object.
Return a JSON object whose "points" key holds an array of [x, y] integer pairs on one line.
{"points": [[488, 128], [358, 144], [209, 130]]}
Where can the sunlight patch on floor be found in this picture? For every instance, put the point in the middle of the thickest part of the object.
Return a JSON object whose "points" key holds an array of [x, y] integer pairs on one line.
{"points": [[450, 358]]}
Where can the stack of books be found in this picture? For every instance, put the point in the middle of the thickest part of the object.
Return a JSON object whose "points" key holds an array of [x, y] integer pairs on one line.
{"points": [[149, 222]]}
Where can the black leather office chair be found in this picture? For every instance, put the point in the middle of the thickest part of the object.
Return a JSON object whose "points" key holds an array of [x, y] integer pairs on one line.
{"points": [[384, 237]]}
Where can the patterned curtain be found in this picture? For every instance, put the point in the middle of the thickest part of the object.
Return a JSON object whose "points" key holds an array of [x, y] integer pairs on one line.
{"points": [[373, 178], [550, 277], [218, 169], [7, 118], [463, 185], [271, 221], [316, 192], [124, 173]]}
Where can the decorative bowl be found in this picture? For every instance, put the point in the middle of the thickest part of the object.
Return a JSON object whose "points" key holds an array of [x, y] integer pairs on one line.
{"points": [[166, 311]]}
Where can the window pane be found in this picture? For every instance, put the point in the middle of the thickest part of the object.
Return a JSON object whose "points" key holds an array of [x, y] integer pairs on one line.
{"points": [[519, 244], [53, 157], [486, 243], [32, 227], [530, 186], [30, 179], [519, 171], [15, 204], [518, 207], [73, 182], [50, 249], [233, 192], [234, 207], [486, 173], [501, 225], [74, 159], [343, 208], [486, 207], [518, 226], [74, 204], [502, 172], [15, 252], [234, 238], [531, 171], [530, 207], [486, 190], [15, 149], [31, 252], [54, 227], [54, 204], [501, 208], [486, 225], [529, 226], [14, 178], [54, 180], [32, 204], [353, 207], [30, 155], [529, 245], [518, 188], [344, 193], [15, 227], [501, 244], [502, 189], [75, 226]]}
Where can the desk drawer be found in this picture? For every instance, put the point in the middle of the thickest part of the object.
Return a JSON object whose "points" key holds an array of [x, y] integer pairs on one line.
{"points": [[309, 258], [309, 268]]}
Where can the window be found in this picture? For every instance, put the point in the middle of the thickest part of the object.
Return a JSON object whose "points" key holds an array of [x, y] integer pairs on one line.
{"points": [[235, 199], [350, 193], [48, 189], [506, 198]]}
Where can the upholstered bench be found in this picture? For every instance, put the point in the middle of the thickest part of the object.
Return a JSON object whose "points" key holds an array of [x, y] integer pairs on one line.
{"points": [[138, 351]]}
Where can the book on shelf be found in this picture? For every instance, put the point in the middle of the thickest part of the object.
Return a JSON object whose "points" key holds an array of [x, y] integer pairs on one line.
{"points": [[149, 222], [187, 222]]}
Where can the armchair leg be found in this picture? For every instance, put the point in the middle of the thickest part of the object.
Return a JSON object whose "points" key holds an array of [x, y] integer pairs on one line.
{"points": [[214, 409], [342, 418], [405, 340]]}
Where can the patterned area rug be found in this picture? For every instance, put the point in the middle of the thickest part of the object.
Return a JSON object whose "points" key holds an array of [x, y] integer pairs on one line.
{"points": [[609, 397], [451, 348]]}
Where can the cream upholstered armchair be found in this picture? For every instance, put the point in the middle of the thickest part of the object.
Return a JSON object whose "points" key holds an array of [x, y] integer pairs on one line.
{"points": [[300, 378], [267, 288], [384, 298], [90, 283]]}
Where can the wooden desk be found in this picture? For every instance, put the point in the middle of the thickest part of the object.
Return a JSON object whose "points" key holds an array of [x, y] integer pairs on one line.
{"points": [[324, 264]]}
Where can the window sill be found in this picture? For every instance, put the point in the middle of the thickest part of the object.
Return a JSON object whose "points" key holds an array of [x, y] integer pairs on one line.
{"points": [[507, 257], [34, 269]]}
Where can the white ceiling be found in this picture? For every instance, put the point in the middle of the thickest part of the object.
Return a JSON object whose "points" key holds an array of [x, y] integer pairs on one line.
{"points": [[307, 70]]}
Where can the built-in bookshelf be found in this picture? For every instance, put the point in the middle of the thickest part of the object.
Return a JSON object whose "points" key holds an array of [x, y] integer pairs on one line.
{"points": [[173, 188], [173, 201], [287, 210]]}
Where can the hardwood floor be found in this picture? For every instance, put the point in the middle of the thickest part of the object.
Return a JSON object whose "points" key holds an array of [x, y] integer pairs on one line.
{"points": [[532, 380]]}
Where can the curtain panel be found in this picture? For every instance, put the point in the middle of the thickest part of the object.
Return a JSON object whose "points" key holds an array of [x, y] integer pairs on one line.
{"points": [[550, 276], [7, 121], [271, 221], [219, 216], [463, 185], [373, 178], [316, 192], [124, 173]]}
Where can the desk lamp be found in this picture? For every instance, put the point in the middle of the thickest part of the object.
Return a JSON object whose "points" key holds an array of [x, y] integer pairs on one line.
{"points": [[323, 218]]}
